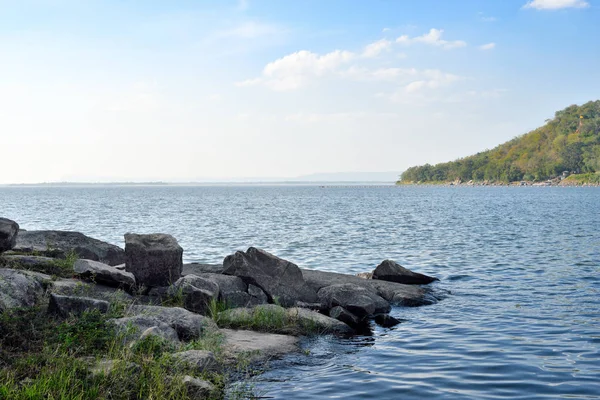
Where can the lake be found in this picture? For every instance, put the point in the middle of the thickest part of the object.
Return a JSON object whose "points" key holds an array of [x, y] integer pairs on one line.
{"points": [[519, 267]]}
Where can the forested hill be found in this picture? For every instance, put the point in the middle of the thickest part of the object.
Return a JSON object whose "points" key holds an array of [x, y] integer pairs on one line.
{"points": [[568, 142]]}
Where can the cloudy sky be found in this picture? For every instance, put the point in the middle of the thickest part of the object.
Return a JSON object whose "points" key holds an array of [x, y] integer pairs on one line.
{"points": [[102, 90]]}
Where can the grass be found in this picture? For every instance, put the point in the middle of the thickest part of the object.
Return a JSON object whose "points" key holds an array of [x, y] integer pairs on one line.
{"points": [[268, 318], [580, 179], [57, 267]]}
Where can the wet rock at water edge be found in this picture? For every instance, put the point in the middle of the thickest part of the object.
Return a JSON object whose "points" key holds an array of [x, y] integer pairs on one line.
{"points": [[60, 243], [356, 299], [8, 234], [154, 259], [280, 279], [391, 271]]}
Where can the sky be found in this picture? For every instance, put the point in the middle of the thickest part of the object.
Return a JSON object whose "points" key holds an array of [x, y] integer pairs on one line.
{"points": [[148, 90]]}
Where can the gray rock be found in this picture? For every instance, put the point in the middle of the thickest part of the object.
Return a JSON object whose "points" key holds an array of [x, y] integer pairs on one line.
{"points": [[197, 292], [391, 271], [162, 331], [240, 299], [356, 299], [226, 283], [199, 360], [138, 326], [281, 280], [396, 293], [155, 259], [8, 234], [386, 320], [341, 314], [64, 306], [103, 273], [198, 389], [29, 262], [20, 288], [257, 346], [365, 275], [76, 287], [258, 294], [188, 325], [60, 243], [312, 322], [198, 269]]}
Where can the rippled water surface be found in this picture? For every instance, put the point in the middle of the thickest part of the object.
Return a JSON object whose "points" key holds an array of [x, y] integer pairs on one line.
{"points": [[522, 266]]}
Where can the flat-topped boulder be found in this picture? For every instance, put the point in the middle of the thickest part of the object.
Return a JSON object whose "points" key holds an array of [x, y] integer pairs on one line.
{"points": [[65, 306], [280, 279], [391, 271], [257, 345], [77, 287], [103, 273], [60, 243], [8, 234], [154, 259], [188, 325]]}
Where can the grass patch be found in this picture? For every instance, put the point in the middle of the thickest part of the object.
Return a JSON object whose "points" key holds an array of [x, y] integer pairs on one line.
{"points": [[57, 267], [581, 179]]}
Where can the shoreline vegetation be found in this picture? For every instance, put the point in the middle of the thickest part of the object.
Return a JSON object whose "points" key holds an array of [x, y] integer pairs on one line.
{"points": [[85, 319], [563, 152]]}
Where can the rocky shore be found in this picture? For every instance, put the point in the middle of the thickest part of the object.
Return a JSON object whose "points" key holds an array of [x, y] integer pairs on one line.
{"points": [[194, 323]]}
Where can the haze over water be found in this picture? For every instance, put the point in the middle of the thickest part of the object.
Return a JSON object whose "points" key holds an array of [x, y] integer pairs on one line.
{"points": [[521, 265]]}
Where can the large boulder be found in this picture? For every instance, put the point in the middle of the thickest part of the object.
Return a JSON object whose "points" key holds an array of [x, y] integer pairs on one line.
{"points": [[312, 322], [189, 326], [8, 234], [395, 293], [20, 288], [197, 292], [76, 287], [391, 271], [356, 299], [257, 346], [103, 273], [154, 259], [281, 280], [61, 243], [65, 306]]}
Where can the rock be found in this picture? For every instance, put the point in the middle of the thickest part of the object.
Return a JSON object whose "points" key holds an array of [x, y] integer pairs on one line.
{"points": [[234, 292], [163, 331], [396, 293], [199, 360], [386, 320], [60, 243], [28, 261], [365, 275], [8, 234], [65, 306], [240, 299], [103, 273], [311, 322], [138, 326], [199, 269], [391, 271], [20, 288], [155, 259], [76, 287], [258, 294], [120, 267], [226, 283], [188, 325], [257, 345], [197, 292], [341, 314], [198, 389], [356, 299], [281, 280]]}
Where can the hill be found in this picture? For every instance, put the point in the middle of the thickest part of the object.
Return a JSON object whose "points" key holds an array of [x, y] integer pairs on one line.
{"points": [[568, 142]]}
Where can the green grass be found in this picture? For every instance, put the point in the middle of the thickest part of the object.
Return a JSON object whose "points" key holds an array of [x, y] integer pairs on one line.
{"points": [[58, 267], [580, 179]]}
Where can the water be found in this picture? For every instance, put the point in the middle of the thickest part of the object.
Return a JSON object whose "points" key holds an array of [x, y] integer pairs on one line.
{"points": [[522, 266]]}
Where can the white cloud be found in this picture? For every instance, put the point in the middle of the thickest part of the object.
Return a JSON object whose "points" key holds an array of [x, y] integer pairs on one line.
{"points": [[294, 70], [488, 46], [556, 4], [433, 38], [376, 48], [434, 79]]}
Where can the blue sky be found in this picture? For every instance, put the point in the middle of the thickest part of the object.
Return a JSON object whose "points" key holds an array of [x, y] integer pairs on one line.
{"points": [[187, 90]]}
